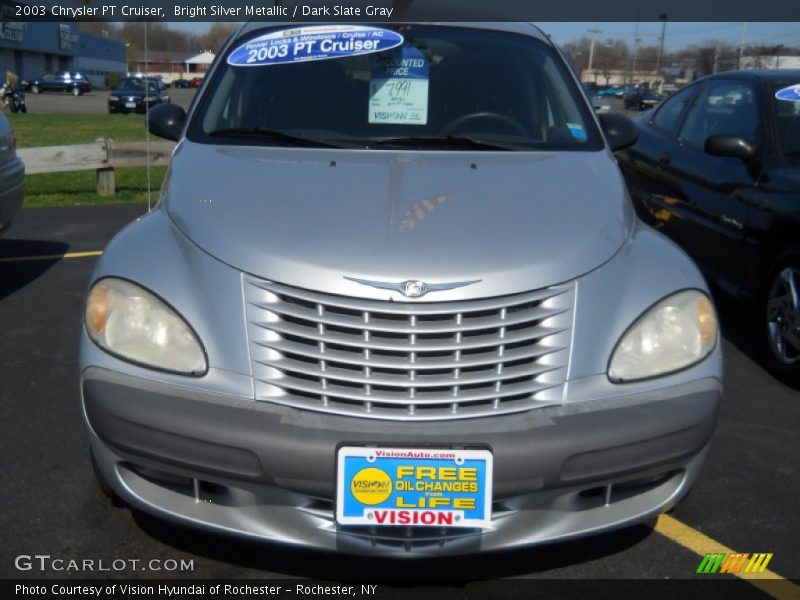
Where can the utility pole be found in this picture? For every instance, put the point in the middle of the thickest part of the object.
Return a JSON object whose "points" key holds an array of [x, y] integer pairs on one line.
{"points": [[636, 41], [663, 18], [594, 32], [716, 57], [741, 46]]}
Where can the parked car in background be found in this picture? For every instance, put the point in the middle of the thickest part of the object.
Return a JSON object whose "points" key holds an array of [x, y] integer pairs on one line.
{"points": [[325, 357], [642, 100], [73, 83], [181, 83], [599, 103], [12, 176], [614, 90], [137, 94], [717, 169], [195, 82]]}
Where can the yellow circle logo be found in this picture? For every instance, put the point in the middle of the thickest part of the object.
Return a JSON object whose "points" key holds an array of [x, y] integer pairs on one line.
{"points": [[371, 486]]}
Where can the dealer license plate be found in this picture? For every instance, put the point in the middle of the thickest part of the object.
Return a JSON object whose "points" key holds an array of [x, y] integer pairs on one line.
{"points": [[130, 105], [413, 487]]}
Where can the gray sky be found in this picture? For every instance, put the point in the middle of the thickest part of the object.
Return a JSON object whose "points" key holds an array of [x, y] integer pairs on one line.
{"points": [[677, 36]]}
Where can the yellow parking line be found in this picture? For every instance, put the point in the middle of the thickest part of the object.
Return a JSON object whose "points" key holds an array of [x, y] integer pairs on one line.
{"points": [[699, 543], [51, 256]]}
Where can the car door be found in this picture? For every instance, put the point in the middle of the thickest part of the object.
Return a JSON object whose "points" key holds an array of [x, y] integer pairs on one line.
{"points": [[48, 83], [655, 192], [714, 190]]}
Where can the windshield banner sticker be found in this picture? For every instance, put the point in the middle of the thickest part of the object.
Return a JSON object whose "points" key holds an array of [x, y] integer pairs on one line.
{"points": [[399, 88], [313, 43], [791, 93]]}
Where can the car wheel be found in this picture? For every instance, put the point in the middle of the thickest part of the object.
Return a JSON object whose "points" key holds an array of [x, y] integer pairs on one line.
{"points": [[76, 92], [35, 89], [781, 310], [104, 486]]}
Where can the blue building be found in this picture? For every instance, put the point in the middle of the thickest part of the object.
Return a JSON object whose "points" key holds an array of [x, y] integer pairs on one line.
{"points": [[31, 49]]}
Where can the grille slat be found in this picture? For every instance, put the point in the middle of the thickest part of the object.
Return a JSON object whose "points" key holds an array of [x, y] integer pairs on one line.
{"points": [[412, 343], [408, 360], [413, 326], [409, 308], [420, 397], [412, 379]]}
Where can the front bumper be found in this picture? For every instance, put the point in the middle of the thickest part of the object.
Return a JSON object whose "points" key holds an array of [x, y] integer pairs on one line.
{"points": [[259, 470], [130, 105]]}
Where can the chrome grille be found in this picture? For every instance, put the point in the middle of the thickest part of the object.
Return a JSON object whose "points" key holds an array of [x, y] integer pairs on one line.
{"points": [[408, 360]]}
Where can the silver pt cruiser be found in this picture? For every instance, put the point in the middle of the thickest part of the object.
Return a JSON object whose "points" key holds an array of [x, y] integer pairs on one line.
{"points": [[394, 300]]}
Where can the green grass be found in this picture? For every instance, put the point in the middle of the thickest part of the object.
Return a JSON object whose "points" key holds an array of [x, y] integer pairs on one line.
{"points": [[78, 188], [34, 130]]}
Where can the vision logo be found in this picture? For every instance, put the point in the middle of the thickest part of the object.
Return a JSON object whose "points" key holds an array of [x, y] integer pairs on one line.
{"points": [[721, 562], [371, 486]]}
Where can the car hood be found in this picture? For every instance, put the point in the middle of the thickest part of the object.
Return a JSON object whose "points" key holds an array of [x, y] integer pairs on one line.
{"points": [[311, 217]]}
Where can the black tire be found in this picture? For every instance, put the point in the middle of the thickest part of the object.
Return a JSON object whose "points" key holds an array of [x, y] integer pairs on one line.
{"points": [[13, 106], [105, 488], [23, 108], [780, 319]]}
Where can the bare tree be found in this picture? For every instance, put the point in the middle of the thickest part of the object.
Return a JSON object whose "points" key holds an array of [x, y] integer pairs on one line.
{"points": [[611, 56], [213, 39], [577, 52]]}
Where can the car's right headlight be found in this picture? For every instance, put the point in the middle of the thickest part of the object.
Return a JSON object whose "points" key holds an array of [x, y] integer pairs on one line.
{"points": [[674, 334], [114, 98], [132, 323]]}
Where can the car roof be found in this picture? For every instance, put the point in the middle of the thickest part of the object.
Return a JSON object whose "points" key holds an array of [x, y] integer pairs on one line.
{"points": [[528, 29], [768, 74]]}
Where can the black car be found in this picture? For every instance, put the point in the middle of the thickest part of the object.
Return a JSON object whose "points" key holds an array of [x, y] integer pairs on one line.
{"points": [[73, 83], [642, 100], [137, 94], [717, 168], [181, 83]]}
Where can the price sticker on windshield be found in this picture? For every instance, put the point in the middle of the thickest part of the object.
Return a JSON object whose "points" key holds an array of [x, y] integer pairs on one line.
{"points": [[399, 87]]}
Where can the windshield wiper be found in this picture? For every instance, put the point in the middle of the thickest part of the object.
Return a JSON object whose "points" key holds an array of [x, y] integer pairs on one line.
{"points": [[275, 135], [443, 141]]}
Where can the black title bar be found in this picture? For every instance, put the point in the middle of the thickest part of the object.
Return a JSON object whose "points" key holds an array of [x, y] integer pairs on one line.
{"points": [[400, 10]]}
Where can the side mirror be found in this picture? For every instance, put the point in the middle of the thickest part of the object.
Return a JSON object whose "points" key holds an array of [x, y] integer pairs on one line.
{"points": [[166, 121], [733, 146], [620, 131]]}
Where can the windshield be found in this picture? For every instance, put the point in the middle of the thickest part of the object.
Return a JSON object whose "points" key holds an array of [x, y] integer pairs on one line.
{"points": [[438, 87], [787, 101], [136, 85]]}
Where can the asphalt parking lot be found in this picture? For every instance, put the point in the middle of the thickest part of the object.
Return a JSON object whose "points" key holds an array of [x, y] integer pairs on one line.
{"points": [[745, 500], [91, 103]]}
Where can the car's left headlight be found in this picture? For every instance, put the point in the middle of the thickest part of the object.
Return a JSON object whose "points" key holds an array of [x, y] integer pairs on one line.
{"points": [[674, 334], [114, 98], [132, 323]]}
